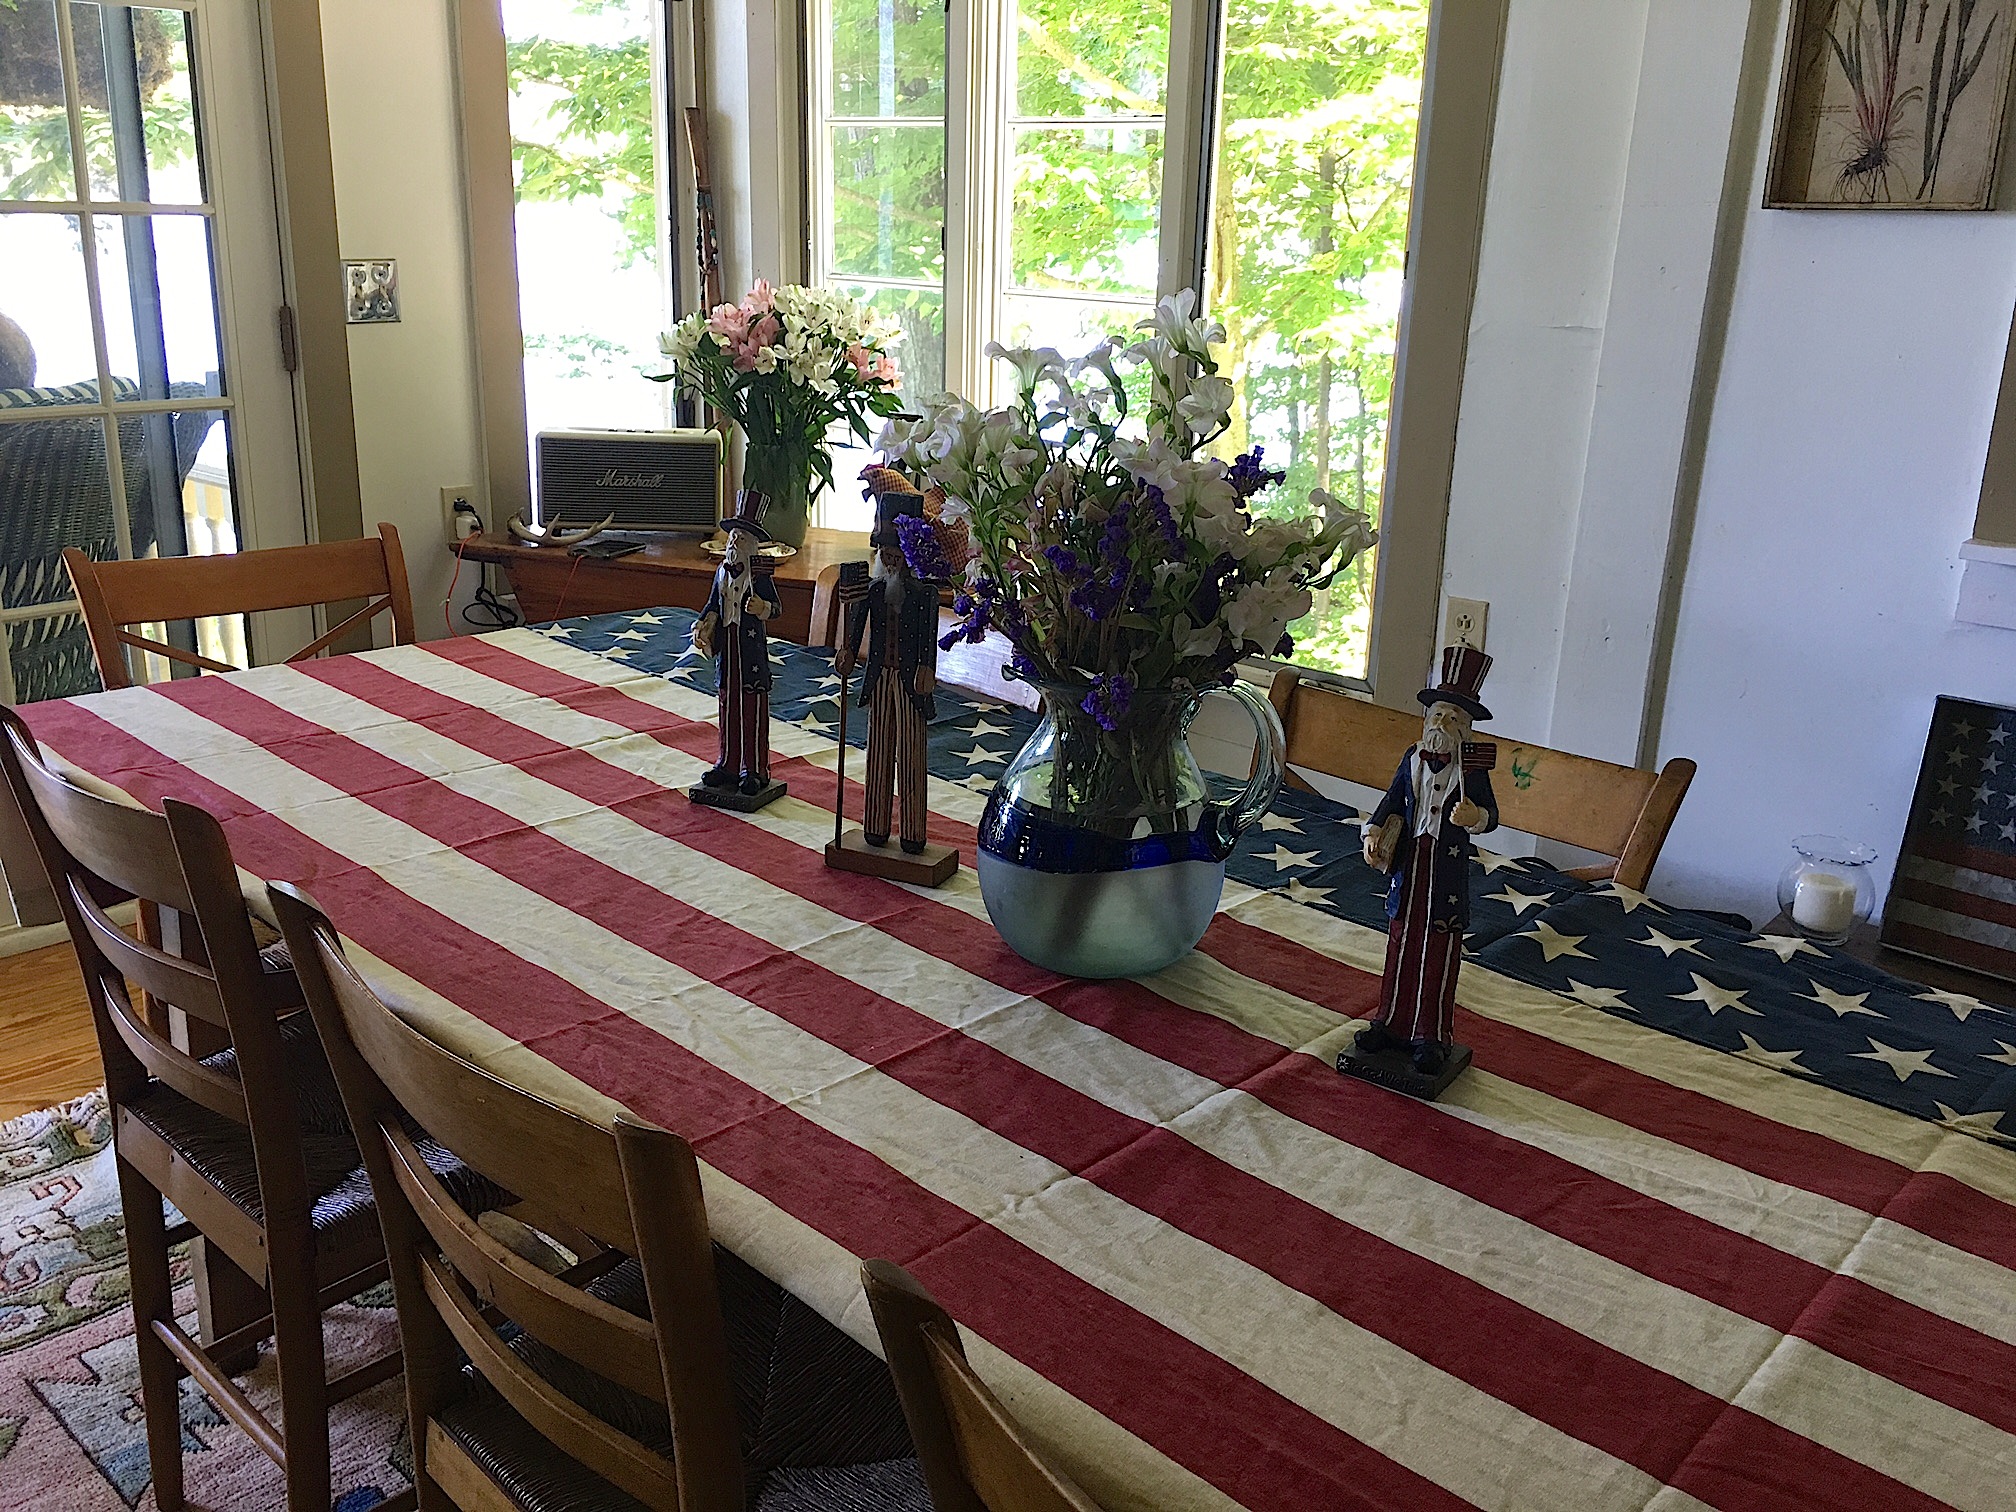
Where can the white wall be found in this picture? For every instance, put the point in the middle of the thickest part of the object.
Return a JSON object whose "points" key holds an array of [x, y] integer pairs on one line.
{"points": [[392, 127], [1843, 434]]}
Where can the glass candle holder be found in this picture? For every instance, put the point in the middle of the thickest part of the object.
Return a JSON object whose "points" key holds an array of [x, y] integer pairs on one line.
{"points": [[1828, 889]]}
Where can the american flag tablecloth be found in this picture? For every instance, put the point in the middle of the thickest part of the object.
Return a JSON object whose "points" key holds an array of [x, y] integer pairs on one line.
{"points": [[1613, 1269]]}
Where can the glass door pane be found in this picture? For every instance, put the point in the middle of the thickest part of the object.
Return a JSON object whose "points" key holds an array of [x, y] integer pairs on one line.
{"points": [[117, 422], [592, 293], [1307, 249]]}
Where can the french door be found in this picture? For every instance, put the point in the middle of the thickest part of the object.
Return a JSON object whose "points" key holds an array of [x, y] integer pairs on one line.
{"points": [[146, 399]]}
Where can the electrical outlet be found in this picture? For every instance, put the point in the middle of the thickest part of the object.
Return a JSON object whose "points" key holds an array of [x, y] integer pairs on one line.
{"points": [[1465, 622], [458, 513]]}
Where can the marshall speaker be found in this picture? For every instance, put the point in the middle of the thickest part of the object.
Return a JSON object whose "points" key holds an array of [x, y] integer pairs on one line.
{"points": [[650, 480]]}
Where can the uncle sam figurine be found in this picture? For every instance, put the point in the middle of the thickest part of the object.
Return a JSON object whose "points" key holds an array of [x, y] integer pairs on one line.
{"points": [[731, 629], [1420, 836]]}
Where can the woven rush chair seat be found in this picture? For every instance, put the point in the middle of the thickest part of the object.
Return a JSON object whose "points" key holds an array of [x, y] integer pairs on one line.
{"points": [[822, 1428], [220, 1151]]}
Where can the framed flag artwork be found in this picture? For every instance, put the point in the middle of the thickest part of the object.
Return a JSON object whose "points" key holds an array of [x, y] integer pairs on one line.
{"points": [[1953, 897]]}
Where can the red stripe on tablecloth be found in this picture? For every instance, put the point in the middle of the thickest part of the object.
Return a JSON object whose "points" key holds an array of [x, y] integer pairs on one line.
{"points": [[614, 706], [1937, 1205], [1576, 1386], [1195, 1407]]}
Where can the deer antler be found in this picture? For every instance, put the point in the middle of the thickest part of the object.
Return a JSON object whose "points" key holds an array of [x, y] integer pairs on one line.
{"points": [[523, 530]]}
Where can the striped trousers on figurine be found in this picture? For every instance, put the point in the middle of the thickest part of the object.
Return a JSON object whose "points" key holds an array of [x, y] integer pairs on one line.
{"points": [[744, 717], [897, 740], [1417, 993]]}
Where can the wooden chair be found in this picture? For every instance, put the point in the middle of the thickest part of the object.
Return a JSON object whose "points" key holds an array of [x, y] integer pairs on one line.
{"points": [[162, 590], [618, 1382], [1617, 811], [975, 1456], [250, 1144]]}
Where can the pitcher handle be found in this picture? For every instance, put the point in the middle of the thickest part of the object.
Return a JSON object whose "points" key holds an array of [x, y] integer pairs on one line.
{"points": [[1270, 765]]}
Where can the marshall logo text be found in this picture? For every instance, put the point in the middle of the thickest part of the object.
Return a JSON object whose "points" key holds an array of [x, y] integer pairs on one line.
{"points": [[614, 479]]}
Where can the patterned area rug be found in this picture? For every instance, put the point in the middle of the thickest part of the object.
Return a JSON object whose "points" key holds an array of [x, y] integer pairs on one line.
{"points": [[72, 1438]]}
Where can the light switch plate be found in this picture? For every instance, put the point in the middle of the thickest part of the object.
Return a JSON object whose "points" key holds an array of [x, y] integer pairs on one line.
{"points": [[1464, 623]]}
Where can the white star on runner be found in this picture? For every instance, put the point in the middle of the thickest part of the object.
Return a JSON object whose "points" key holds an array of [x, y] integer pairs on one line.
{"points": [[1301, 892], [1714, 998], [1597, 997], [1492, 862], [984, 726], [1984, 1125], [1667, 946], [1629, 898], [978, 781], [1959, 1002], [1785, 947], [647, 619], [1553, 943], [557, 631], [617, 653], [980, 755], [1270, 823], [1283, 858], [1842, 1003], [2008, 1055], [630, 635], [814, 723], [1778, 1060], [1906, 1063], [1518, 901]]}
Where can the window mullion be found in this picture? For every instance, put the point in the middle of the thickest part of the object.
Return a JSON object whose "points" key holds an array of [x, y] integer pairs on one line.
{"points": [[1189, 129]]}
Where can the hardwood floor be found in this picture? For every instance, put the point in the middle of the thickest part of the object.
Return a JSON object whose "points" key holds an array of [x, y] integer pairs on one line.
{"points": [[48, 1053]]}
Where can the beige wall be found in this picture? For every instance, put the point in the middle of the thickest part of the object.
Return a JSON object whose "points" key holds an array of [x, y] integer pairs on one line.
{"points": [[398, 194]]}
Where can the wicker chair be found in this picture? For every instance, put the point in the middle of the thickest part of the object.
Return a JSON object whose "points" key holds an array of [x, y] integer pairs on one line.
{"points": [[55, 492]]}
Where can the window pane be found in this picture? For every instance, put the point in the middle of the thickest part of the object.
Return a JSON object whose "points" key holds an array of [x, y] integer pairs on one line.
{"points": [[45, 298], [1086, 209], [35, 161], [139, 120], [160, 312], [1309, 236], [1074, 327], [1072, 59], [888, 197], [591, 295], [888, 58], [58, 493], [50, 658], [920, 357]]}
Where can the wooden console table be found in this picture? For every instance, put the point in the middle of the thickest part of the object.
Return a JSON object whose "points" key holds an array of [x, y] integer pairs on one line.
{"points": [[672, 570]]}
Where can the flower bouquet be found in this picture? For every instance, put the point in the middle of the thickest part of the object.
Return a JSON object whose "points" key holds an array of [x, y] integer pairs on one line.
{"points": [[1125, 567], [787, 365]]}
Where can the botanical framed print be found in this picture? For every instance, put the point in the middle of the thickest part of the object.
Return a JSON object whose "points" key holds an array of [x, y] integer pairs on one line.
{"points": [[1892, 105]]}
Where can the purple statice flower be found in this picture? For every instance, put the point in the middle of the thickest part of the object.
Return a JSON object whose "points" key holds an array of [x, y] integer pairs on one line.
{"points": [[1024, 666], [1209, 596], [1064, 560], [976, 613], [922, 549], [1164, 518], [1248, 477], [1111, 695]]}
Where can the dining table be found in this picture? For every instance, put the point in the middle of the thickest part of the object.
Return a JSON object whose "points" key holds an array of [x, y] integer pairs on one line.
{"points": [[1716, 1218]]}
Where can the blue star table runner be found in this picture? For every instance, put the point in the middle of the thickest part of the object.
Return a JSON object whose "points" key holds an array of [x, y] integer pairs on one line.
{"points": [[1778, 1000]]}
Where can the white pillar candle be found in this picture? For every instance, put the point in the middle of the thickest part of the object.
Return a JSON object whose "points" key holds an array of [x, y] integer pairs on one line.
{"points": [[1824, 903]]}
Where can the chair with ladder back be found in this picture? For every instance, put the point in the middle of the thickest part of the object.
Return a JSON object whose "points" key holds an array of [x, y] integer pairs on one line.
{"points": [[648, 1368], [975, 1456], [249, 1143], [1617, 811], [115, 596]]}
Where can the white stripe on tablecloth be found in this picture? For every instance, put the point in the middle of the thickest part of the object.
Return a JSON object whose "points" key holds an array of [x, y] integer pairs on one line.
{"points": [[1858, 1414], [1275, 1334], [1919, 1269]]}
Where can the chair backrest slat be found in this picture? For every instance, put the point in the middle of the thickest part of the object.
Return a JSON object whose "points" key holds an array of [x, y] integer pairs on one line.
{"points": [[586, 1329], [170, 1065], [974, 1455], [607, 1451], [130, 848], [1618, 811], [634, 1188], [170, 980], [162, 590]]}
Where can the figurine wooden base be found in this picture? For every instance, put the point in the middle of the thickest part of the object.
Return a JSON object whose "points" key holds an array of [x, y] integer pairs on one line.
{"points": [[930, 867], [1393, 1067], [735, 798]]}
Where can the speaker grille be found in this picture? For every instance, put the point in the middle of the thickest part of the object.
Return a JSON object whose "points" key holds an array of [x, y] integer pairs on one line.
{"points": [[651, 480]]}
